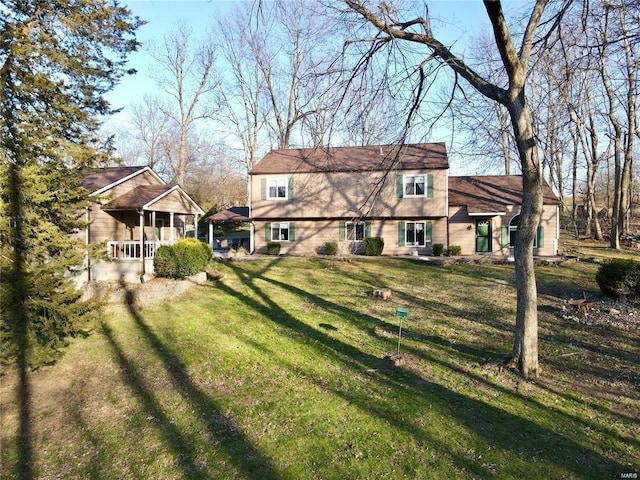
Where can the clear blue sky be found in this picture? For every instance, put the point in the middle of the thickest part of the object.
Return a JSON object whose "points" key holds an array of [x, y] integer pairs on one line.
{"points": [[164, 15]]}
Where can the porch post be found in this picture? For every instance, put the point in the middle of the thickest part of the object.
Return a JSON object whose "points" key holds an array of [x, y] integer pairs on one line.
{"points": [[211, 234], [153, 224], [143, 272], [171, 227], [195, 226]]}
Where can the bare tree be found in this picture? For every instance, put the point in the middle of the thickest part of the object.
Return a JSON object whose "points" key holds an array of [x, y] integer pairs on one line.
{"points": [[417, 31], [483, 123], [241, 95], [150, 129], [185, 74]]}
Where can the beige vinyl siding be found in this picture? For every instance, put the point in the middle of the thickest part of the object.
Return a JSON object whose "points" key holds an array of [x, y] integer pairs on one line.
{"points": [[311, 235], [173, 202], [109, 225], [347, 195], [462, 230], [145, 178]]}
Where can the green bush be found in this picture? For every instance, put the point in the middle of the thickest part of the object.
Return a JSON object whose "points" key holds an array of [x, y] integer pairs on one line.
{"points": [[273, 248], [438, 249], [619, 275], [185, 258], [373, 246], [330, 248], [454, 250]]}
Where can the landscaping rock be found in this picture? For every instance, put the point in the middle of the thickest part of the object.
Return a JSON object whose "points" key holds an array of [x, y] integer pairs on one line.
{"points": [[606, 312]]}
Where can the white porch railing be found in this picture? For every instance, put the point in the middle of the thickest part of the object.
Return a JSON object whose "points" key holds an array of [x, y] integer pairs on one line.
{"points": [[130, 249]]}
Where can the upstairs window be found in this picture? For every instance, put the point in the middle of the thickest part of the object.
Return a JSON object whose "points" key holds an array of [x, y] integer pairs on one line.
{"points": [[277, 189], [416, 185]]}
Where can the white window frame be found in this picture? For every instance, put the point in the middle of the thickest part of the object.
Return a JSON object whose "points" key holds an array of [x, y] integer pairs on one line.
{"points": [[281, 185], [351, 231], [407, 243], [407, 183], [280, 229]]}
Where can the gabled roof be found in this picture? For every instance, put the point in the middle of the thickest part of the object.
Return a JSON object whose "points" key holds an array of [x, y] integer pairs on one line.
{"points": [[420, 156], [491, 193], [233, 214], [143, 197], [102, 179]]}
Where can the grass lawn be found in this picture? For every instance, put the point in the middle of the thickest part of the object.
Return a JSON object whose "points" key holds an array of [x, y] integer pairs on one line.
{"points": [[277, 371]]}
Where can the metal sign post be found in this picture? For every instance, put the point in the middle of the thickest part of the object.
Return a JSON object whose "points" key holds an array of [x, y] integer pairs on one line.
{"points": [[401, 313]]}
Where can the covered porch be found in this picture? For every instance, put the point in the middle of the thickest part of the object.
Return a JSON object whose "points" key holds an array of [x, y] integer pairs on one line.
{"points": [[237, 228], [140, 221]]}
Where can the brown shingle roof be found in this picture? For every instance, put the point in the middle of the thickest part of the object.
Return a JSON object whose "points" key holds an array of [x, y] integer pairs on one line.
{"points": [[233, 214], [137, 197], [97, 179], [491, 193], [350, 159]]}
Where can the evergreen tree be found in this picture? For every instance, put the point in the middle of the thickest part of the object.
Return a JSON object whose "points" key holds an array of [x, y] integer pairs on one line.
{"points": [[57, 60]]}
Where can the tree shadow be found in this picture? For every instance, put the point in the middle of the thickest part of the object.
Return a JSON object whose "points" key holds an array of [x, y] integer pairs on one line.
{"points": [[219, 427], [498, 427], [17, 284]]}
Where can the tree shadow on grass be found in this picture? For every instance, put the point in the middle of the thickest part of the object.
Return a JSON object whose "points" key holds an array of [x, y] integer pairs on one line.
{"points": [[17, 288], [497, 427], [220, 428]]}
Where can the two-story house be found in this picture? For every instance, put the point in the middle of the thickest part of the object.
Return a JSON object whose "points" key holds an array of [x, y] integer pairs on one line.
{"points": [[304, 198]]}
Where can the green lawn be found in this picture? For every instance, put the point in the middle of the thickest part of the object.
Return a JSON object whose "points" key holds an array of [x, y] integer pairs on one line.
{"points": [[277, 371]]}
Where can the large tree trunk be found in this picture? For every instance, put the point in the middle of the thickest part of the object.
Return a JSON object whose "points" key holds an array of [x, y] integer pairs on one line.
{"points": [[525, 346]]}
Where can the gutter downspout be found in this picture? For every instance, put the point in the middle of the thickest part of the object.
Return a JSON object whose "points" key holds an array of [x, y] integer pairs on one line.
{"points": [[143, 266], [87, 239]]}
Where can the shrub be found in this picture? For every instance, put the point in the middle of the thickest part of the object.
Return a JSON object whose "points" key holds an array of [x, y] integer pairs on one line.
{"points": [[373, 246], [619, 275], [185, 258], [330, 248], [454, 250], [273, 248], [438, 249]]}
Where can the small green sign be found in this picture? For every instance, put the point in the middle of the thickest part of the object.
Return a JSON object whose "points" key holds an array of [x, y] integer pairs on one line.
{"points": [[402, 312]]}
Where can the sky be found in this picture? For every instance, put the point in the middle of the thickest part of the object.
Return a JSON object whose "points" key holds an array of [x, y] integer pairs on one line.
{"points": [[164, 15], [455, 22]]}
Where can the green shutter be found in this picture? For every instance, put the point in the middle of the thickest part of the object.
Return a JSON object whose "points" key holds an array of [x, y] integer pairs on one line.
{"points": [[504, 243], [401, 234], [292, 232], [540, 237], [367, 229], [430, 185], [399, 186], [290, 189], [263, 189], [428, 233], [267, 232], [342, 231]]}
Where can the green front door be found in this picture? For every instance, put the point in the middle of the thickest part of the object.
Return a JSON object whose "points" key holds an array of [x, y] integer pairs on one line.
{"points": [[483, 236]]}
